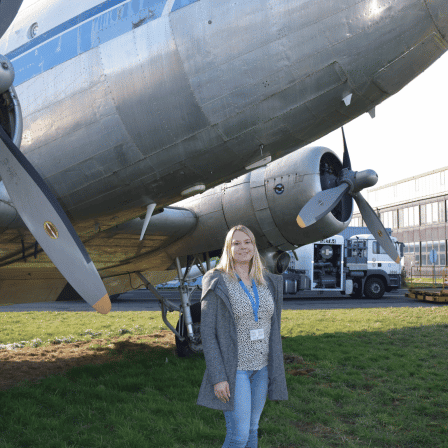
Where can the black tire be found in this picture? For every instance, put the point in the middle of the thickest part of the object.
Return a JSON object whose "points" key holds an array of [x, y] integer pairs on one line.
{"points": [[374, 288], [183, 349], [357, 289]]}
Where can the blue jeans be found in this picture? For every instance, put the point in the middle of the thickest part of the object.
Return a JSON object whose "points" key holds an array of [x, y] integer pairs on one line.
{"points": [[251, 390]]}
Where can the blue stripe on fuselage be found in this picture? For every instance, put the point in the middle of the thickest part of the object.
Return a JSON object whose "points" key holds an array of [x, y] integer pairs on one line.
{"points": [[181, 4], [98, 9], [53, 48]]}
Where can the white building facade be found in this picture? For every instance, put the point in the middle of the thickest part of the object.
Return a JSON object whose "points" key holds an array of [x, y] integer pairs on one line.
{"points": [[416, 210]]}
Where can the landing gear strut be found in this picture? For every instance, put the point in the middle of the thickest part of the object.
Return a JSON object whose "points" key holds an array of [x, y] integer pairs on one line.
{"points": [[187, 331]]}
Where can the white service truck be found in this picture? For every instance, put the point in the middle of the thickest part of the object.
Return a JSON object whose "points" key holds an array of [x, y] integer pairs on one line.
{"points": [[353, 266]]}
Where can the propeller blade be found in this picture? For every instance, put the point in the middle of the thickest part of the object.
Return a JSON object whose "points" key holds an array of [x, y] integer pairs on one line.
{"points": [[376, 227], [346, 159], [8, 12], [320, 204], [47, 221]]}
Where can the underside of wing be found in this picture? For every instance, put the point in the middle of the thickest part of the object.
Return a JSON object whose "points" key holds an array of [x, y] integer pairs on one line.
{"points": [[28, 275]]}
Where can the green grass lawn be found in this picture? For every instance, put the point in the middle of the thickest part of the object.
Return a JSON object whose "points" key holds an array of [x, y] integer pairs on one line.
{"points": [[379, 380]]}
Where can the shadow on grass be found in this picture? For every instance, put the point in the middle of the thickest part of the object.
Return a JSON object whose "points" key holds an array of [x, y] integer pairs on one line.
{"points": [[359, 389], [33, 364], [382, 389]]}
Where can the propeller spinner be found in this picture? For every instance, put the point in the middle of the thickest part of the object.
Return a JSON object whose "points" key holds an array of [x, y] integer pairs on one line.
{"points": [[8, 12], [351, 183]]}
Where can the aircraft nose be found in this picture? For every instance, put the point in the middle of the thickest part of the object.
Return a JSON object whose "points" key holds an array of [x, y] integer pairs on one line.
{"points": [[439, 13]]}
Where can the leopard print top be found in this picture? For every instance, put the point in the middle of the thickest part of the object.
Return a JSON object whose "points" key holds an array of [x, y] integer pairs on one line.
{"points": [[252, 355]]}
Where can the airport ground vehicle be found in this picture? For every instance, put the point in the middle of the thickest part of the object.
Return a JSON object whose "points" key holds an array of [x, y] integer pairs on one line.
{"points": [[356, 266]]}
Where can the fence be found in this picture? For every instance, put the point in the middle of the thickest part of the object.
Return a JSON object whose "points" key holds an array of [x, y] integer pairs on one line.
{"points": [[428, 276]]}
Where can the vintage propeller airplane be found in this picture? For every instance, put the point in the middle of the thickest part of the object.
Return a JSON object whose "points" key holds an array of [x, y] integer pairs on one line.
{"points": [[148, 128]]}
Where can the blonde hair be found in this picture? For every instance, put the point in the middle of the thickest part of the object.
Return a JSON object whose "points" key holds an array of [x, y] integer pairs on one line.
{"points": [[226, 263]]}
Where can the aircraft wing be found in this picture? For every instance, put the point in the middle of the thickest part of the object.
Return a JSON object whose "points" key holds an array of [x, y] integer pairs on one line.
{"points": [[120, 252], [28, 275]]}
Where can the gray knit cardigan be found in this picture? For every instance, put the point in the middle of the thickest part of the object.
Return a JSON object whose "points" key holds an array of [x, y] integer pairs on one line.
{"points": [[219, 341]]}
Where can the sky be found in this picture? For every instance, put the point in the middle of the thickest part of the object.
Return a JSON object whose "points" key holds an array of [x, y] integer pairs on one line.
{"points": [[409, 134]]}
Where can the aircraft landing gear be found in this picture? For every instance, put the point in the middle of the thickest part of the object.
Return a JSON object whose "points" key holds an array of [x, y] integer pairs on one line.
{"points": [[187, 347], [187, 331], [183, 348]]}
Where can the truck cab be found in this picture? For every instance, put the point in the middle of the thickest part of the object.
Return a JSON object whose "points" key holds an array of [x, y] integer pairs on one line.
{"points": [[356, 266], [372, 270]]}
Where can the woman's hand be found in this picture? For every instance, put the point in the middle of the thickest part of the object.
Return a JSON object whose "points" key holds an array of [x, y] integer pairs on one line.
{"points": [[222, 391]]}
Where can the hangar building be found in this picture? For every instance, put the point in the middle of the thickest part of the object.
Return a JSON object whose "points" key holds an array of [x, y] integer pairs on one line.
{"points": [[416, 210]]}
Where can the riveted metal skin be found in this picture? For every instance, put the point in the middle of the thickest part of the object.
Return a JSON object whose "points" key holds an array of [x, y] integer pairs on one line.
{"points": [[438, 10], [143, 100], [189, 96]]}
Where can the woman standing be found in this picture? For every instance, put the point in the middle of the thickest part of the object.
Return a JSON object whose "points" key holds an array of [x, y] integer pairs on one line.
{"points": [[241, 309]]}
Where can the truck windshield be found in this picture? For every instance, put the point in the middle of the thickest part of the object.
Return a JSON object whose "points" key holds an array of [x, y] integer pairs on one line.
{"points": [[377, 249]]}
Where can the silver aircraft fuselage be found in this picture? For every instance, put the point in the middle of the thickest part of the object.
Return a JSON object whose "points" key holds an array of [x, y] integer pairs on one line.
{"points": [[131, 102]]}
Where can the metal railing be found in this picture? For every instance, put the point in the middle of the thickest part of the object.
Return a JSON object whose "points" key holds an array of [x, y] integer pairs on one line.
{"points": [[428, 277]]}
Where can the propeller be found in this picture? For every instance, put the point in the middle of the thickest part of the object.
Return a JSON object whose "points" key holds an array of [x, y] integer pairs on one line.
{"points": [[47, 221], [38, 207], [8, 11], [351, 183]]}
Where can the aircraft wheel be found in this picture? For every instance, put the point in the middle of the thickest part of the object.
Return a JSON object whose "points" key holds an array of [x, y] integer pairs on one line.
{"points": [[374, 288], [183, 349]]}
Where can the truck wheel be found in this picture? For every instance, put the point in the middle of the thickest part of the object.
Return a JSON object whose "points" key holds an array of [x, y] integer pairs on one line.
{"points": [[374, 288]]}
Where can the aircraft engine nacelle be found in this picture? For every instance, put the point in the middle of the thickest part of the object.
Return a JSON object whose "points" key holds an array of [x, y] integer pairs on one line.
{"points": [[275, 260], [268, 200]]}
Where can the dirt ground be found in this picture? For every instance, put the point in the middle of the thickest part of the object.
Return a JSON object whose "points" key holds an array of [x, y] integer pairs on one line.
{"points": [[33, 364]]}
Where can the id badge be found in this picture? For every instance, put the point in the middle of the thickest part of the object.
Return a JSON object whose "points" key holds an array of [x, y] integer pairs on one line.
{"points": [[256, 335]]}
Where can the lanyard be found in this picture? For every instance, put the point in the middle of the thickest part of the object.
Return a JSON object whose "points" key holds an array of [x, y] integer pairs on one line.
{"points": [[255, 303]]}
